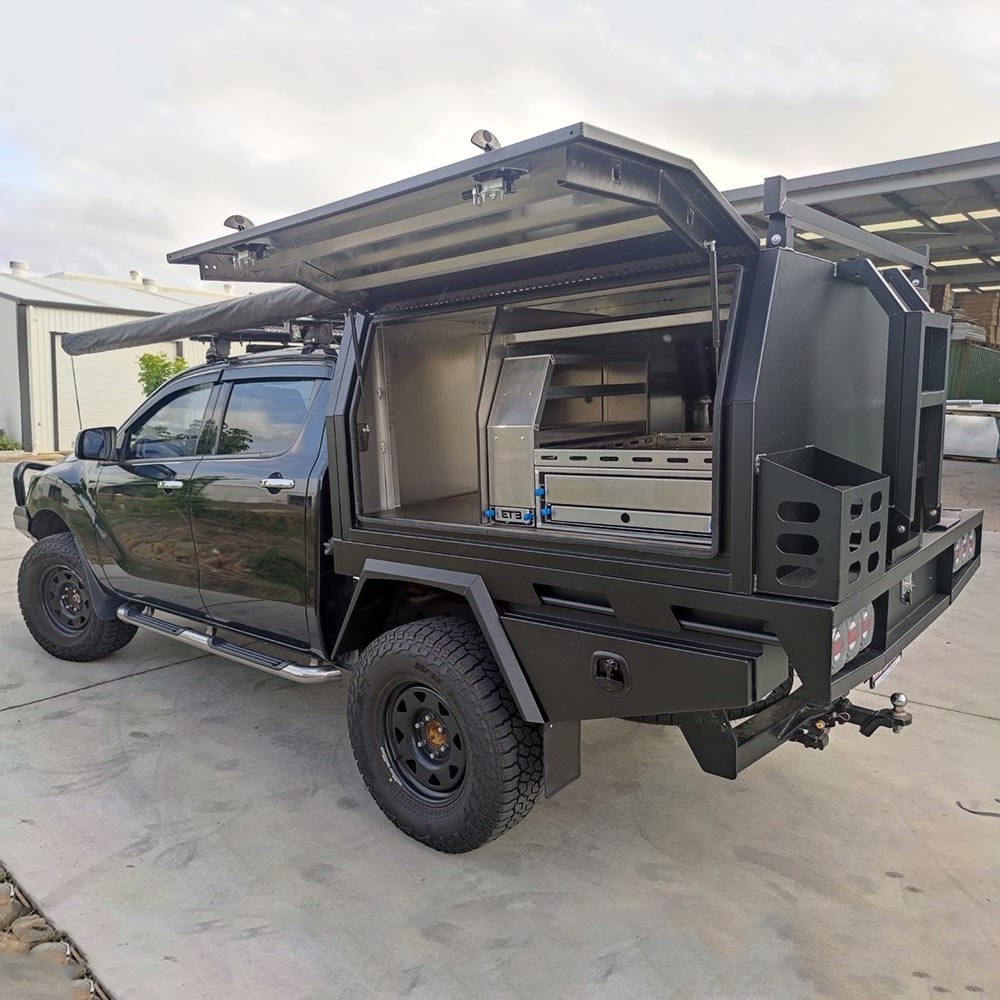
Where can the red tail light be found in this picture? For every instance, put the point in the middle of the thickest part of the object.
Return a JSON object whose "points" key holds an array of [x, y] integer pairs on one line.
{"points": [[851, 636]]}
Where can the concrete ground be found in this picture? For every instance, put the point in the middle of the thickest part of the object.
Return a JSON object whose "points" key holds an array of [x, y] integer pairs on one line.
{"points": [[201, 831]]}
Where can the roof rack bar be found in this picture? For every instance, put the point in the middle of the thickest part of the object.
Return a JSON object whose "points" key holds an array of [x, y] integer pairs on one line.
{"points": [[784, 215]]}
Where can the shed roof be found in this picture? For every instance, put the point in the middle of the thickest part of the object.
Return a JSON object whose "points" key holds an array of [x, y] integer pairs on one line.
{"points": [[86, 292], [949, 201]]}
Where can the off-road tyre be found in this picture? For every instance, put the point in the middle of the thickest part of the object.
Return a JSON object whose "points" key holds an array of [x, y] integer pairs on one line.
{"points": [[670, 718], [489, 776], [56, 603]]}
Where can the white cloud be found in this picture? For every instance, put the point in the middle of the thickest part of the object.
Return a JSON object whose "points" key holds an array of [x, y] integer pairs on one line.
{"points": [[129, 130]]}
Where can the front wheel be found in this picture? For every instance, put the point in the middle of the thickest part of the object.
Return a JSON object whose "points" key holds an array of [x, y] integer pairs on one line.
{"points": [[437, 737], [56, 603]]}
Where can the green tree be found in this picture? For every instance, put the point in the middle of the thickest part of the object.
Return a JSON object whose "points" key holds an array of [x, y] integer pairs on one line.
{"points": [[7, 443], [155, 369]]}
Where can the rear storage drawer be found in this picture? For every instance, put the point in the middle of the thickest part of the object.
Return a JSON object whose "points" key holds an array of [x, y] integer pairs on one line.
{"points": [[568, 669], [691, 496]]}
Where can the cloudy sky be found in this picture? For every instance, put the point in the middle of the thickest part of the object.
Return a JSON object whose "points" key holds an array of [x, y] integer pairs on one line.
{"points": [[128, 130]]}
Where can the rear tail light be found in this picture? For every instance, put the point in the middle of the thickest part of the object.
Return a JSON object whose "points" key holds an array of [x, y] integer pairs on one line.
{"points": [[850, 637], [837, 649], [964, 550]]}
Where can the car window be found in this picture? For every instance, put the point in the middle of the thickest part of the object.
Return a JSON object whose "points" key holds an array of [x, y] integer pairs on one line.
{"points": [[265, 418], [173, 429]]}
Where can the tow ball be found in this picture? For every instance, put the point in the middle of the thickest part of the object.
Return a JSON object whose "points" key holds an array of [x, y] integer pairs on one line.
{"points": [[815, 732], [868, 720]]}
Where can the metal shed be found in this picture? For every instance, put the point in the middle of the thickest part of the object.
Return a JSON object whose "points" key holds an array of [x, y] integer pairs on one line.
{"points": [[46, 395]]}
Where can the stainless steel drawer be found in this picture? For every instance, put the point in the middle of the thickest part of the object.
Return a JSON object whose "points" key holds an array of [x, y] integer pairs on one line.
{"points": [[617, 517], [629, 493]]}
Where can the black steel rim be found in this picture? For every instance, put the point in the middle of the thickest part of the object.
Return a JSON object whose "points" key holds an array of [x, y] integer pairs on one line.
{"points": [[424, 742], [65, 600]]}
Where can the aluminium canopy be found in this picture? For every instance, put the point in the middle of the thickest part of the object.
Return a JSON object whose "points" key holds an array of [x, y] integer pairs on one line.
{"points": [[549, 209]]}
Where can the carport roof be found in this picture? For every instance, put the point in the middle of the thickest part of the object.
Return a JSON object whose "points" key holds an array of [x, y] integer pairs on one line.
{"points": [[949, 201]]}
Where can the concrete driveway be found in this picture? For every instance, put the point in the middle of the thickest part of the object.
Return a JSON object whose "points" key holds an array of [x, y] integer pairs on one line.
{"points": [[201, 831]]}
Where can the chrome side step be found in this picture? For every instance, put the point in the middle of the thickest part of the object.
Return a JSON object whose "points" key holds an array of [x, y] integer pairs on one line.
{"points": [[299, 672]]}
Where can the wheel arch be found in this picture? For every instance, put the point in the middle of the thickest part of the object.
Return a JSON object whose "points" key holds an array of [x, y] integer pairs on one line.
{"points": [[47, 522], [381, 581]]}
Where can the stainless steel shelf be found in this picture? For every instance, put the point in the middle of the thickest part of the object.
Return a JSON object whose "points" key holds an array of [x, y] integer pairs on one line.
{"points": [[595, 432], [633, 325], [623, 461], [602, 389]]}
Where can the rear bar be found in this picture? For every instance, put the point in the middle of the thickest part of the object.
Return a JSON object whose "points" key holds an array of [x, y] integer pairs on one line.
{"points": [[807, 715], [937, 545], [725, 750]]}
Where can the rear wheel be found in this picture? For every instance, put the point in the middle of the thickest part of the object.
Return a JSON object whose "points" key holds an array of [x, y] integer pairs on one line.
{"points": [[56, 603], [437, 737]]}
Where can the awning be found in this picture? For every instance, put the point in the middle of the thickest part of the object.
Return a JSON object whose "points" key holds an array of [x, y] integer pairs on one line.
{"points": [[570, 201], [265, 309]]}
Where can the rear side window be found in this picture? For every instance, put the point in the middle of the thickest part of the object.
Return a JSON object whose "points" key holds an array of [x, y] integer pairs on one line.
{"points": [[265, 418]]}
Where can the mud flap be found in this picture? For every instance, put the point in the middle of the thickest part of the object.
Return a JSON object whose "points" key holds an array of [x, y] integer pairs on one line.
{"points": [[561, 745]]}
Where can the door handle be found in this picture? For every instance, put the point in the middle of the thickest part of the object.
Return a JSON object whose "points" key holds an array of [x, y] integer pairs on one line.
{"points": [[276, 483], [168, 485]]}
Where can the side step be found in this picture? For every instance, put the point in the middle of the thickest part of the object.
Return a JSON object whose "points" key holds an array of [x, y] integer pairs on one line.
{"points": [[298, 672]]}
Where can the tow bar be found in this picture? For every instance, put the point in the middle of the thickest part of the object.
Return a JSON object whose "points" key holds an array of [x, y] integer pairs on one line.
{"points": [[816, 734], [724, 749]]}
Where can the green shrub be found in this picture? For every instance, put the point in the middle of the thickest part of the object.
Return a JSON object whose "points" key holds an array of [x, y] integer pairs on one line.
{"points": [[7, 443], [155, 369]]}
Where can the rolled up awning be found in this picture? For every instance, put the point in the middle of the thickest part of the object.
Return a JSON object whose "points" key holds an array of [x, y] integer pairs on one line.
{"points": [[253, 311]]}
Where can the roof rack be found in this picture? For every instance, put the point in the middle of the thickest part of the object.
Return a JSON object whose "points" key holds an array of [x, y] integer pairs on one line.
{"points": [[310, 335]]}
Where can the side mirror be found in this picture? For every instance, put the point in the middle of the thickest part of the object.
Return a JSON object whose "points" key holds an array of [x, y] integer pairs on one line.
{"points": [[96, 444]]}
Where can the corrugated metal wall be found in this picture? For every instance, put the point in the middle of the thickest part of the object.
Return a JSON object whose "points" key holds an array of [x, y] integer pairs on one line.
{"points": [[106, 387], [973, 372]]}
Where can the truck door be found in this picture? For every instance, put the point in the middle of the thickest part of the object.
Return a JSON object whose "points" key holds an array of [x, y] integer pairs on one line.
{"points": [[144, 502], [253, 523]]}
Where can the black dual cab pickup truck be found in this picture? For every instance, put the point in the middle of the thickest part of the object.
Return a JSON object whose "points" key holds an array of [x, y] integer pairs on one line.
{"points": [[544, 436]]}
